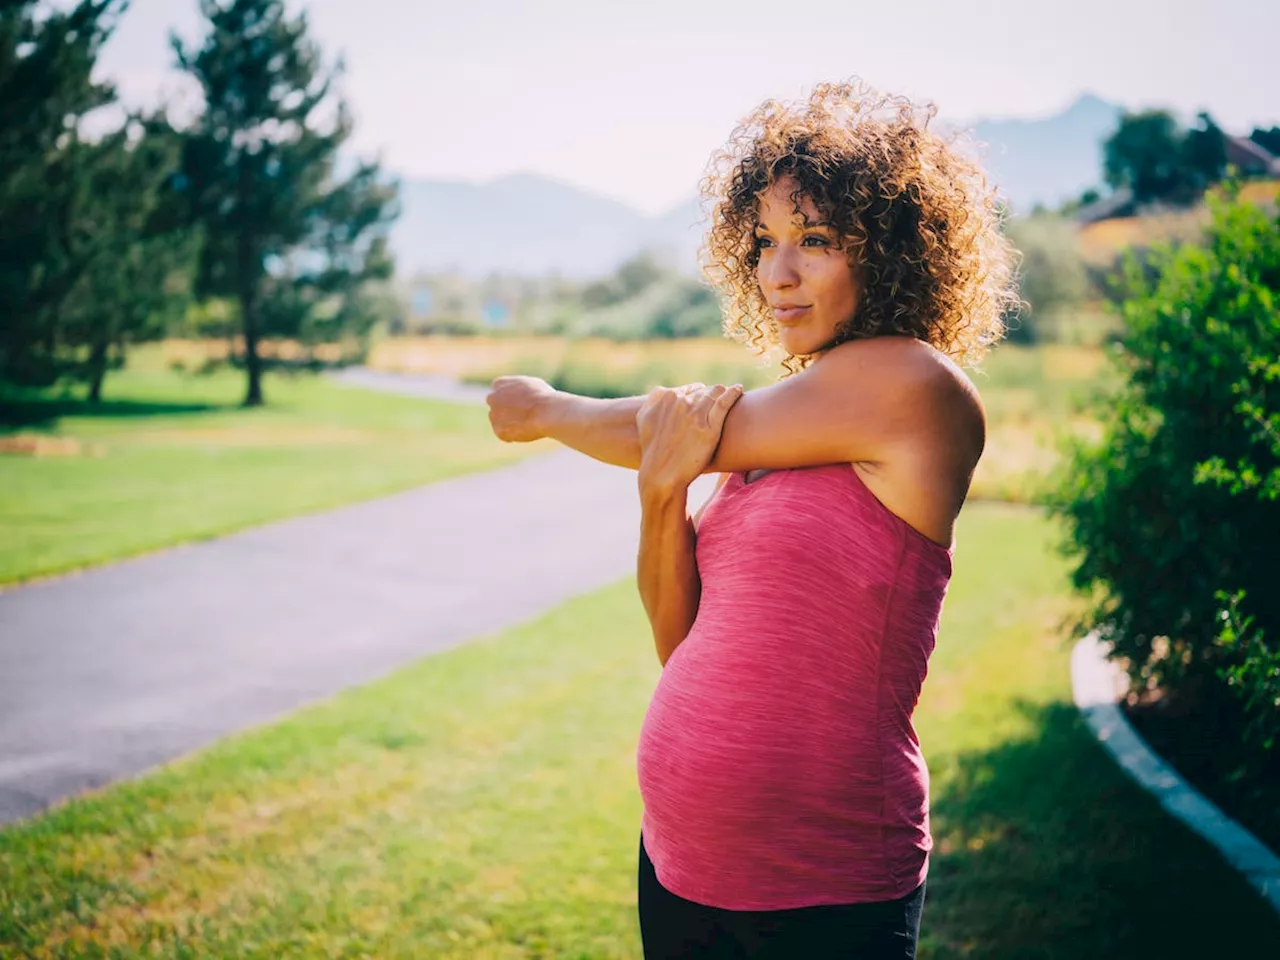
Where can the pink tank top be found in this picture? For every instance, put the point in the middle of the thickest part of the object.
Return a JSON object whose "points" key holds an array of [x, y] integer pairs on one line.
{"points": [[777, 761]]}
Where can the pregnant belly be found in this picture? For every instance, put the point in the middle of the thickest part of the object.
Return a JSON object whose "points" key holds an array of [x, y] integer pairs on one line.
{"points": [[721, 751]]}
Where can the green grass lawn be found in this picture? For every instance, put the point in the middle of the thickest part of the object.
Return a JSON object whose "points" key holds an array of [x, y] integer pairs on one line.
{"points": [[483, 804], [171, 458]]}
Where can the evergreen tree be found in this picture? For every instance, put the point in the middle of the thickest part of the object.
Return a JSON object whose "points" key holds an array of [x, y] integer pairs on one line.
{"points": [[285, 236], [136, 254], [46, 59]]}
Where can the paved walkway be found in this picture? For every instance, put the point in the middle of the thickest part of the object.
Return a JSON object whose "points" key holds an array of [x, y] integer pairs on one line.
{"points": [[414, 385], [106, 673]]}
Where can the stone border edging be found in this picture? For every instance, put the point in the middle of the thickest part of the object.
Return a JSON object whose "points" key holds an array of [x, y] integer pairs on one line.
{"points": [[1097, 685]]}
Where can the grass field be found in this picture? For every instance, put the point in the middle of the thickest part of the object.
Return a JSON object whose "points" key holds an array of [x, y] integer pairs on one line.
{"points": [[483, 804], [169, 458], [1033, 395]]}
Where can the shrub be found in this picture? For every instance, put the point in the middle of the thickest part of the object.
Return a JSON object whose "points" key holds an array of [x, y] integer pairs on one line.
{"points": [[1174, 516]]}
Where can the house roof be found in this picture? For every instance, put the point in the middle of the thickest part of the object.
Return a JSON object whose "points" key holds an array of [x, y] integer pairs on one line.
{"points": [[1246, 150], [1104, 207]]}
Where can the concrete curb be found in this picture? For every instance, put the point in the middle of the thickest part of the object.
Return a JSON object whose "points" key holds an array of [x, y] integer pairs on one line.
{"points": [[1097, 685]]}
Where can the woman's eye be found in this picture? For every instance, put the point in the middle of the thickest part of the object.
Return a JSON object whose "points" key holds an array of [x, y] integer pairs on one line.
{"points": [[762, 242]]}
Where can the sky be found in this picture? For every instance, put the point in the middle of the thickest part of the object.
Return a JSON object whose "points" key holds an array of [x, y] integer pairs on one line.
{"points": [[629, 99]]}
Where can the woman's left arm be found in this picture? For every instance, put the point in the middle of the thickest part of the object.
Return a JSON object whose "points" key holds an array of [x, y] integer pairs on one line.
{"points": [[678, 432], [857, 404]]}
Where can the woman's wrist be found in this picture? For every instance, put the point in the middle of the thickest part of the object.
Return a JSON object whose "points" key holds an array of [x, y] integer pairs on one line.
{"points": [[550, 411], [658, 491]]}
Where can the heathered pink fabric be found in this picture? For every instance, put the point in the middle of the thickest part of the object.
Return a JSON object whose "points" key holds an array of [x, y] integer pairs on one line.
{"points": [[777, 761]]}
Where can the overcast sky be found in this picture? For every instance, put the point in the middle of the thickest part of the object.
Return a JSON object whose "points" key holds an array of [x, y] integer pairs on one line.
{"points": [[629, 99]]}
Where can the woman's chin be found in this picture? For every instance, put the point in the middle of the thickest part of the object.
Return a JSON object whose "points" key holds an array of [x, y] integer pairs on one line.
{"points": [[795, 342]]}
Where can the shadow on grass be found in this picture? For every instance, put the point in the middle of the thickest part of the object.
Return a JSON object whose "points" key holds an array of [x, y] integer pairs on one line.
{"points": [[1045, 849], [19, 410]]}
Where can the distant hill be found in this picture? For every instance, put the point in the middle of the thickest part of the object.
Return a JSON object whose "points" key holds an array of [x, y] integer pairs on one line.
{"points": [[533, 225], [522, 223], [1050, 160]]}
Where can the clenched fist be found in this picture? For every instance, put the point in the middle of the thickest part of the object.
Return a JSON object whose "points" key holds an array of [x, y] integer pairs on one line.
{"points": [[679, 432], [516, 404]]}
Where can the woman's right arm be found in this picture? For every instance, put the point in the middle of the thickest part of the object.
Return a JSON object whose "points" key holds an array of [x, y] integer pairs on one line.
{"points": [[667, 568], [678, 431]]}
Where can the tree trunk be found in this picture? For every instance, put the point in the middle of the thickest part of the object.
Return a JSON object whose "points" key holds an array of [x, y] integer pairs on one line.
{"points": [[248, 296], [252, 362], [97, 369]]}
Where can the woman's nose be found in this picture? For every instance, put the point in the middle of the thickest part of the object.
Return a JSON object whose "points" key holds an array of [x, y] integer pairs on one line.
{"points": [[778, 270]]}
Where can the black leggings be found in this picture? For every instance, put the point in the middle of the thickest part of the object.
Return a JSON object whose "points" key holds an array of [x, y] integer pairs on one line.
{"points": [[672, 927]]}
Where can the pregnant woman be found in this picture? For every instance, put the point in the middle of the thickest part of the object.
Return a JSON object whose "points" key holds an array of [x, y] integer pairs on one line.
{"points": [[785, 793]]}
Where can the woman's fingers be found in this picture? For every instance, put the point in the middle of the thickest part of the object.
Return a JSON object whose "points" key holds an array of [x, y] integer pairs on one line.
{"points": [[694, 404], [726, 400], [707, 398], [709, 395], [717, 403]]}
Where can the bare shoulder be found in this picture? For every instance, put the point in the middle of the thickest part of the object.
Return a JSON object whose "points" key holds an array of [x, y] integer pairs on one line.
{"points": [[901, 366], [912, 380], [875, 401]]}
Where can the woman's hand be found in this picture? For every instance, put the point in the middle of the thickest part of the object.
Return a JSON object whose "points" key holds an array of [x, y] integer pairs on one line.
{"points": [[679, 431], [516, 405]]}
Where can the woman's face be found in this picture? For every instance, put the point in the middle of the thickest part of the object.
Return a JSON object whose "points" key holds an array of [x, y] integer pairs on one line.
{"points": [[805, 278]]}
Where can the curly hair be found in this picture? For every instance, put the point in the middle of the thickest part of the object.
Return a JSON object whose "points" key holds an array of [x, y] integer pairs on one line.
{"points": [[915, 213]]}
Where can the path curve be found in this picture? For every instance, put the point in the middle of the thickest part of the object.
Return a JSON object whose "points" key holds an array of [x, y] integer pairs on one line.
{"points": [[413, 385]]}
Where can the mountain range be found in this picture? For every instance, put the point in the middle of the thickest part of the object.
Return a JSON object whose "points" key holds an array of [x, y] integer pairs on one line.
{"points": [[532, 225]]}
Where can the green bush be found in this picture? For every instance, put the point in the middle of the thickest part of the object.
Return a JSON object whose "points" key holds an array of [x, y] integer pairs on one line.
{"points": [[1174, 516]]}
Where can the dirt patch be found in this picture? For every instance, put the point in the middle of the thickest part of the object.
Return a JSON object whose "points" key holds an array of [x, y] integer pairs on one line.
{"points": [[38, 445], [193, 352]]}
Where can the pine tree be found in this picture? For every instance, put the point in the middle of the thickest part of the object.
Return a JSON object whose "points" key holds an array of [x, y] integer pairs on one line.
{"points": [[136, 252], [282, 234], [46, 59]]}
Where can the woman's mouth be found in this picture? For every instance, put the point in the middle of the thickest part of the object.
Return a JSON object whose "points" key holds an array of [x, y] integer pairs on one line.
{"points": [[788, 316]]}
